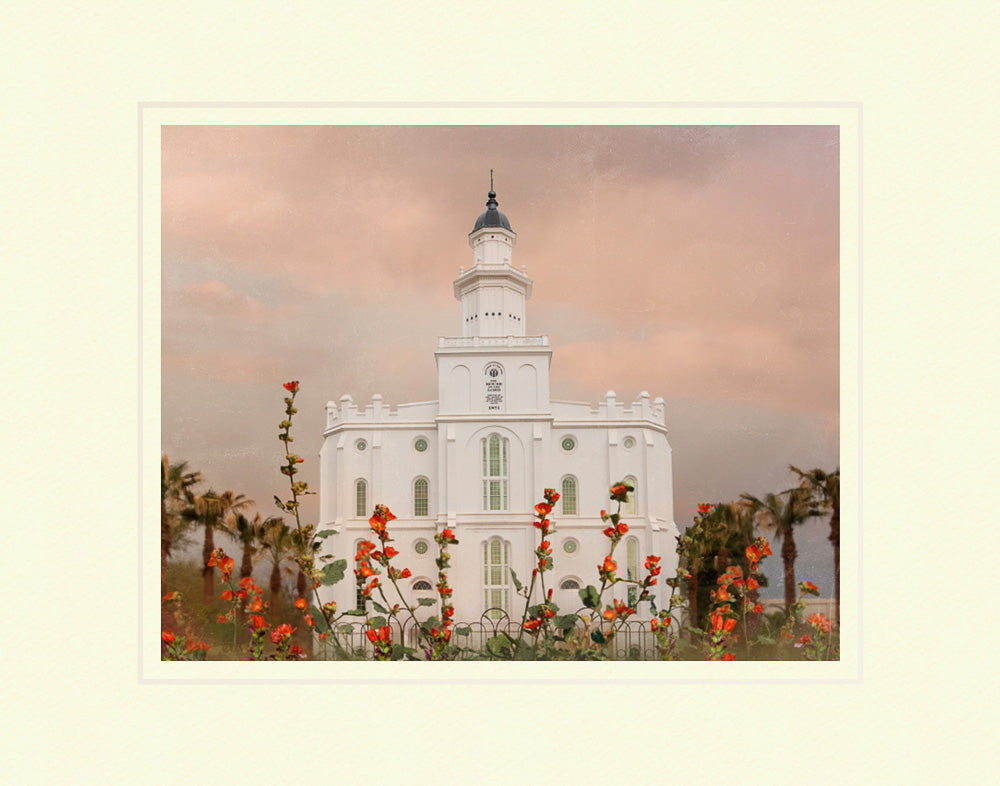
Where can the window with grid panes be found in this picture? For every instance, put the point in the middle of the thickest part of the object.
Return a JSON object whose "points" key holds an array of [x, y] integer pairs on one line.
{"points": [[420, 497], [568, 496], [631, 506], [496, 562], [361, 499], [495, 472]]}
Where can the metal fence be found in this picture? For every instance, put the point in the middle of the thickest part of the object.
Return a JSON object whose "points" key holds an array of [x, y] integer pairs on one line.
{"points": [[633, 640]]}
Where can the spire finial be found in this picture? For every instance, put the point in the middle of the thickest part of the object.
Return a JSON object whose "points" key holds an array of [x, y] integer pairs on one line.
{"points": [[491, 180]]}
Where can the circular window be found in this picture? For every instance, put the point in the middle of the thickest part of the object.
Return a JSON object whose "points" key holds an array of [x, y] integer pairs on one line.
{"points": [[420, 547], [361, 445], [629, 443], [568, 444], [420, 445], [570, 545]]}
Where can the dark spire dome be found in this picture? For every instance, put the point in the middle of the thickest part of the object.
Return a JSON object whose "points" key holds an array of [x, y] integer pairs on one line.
{"points": [[492, 217]]}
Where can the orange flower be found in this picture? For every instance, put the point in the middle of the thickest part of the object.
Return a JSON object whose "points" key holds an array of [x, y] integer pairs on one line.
{"points": [[609, 532], [551, 496], [390, 552], [258, 622], [704, 507], [758, 609], [532, 624], [405, 574], [226, 565], [609, 613], [366, 570], [309, 620], [654, 625], [752, 584], [610, 566], [447, 534], [168, 637], [622, 528], [227, 594], [729, 656], [221, 619], [301, 603], [169, 596], [729, 625], [722, 594], [820, 622], [292, 386], [543, 509], [256, 605], [753, 554], [281, 633]]}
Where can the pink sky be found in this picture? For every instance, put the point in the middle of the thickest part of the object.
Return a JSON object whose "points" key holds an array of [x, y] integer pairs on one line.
{"points": [[697, 263]]}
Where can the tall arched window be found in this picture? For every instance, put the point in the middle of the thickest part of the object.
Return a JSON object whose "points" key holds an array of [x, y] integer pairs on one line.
{"points": [[495, 471], [496, 568], [632, 569], [420, 497], [568, 496], [360, 498], [631, 507]]}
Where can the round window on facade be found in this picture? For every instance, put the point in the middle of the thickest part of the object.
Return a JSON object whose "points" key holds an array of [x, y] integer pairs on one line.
{"points": [[629, 443], [570, 545], [420, 547], [568, 444], [420, 445], [361, 445]]}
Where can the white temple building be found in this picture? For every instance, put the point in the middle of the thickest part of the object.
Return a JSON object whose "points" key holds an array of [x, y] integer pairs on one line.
{"points": [[477, 460]]}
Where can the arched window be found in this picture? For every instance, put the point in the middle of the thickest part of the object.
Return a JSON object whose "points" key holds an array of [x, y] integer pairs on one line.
{"points": [[569, 584], [422, 585], [496, 564], [420, 497], [360, 498], [632, 569], [495, 471], [631, 507], [568, 496]]}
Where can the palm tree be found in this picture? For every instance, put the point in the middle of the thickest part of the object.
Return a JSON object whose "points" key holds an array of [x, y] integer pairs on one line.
{"points": [[249, 534], [176, 482], [210, 510], [279, 546], [306, 552], [825, 491], [783, 512]]}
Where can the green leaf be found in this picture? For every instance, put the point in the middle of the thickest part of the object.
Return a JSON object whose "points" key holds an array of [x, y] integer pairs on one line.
{"points": [[321, 626], [278, 502], [565, 622], [652, 607], [356, 613], [325, 533], [590, 596], [597, 636], [376, 622], [426, 601], [463, 630], [399, 651], [333, 572], [517, 582], [499, 648], [380, 608]]}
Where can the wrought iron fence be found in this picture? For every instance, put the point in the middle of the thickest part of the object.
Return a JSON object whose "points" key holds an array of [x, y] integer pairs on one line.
{"points": [[633, 640]]}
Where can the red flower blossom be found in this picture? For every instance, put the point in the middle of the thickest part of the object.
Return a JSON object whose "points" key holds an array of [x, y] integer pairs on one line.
{"points": [[757, 609], [609, 566], [168, 637], [281, 633], [169, 596], [257, 605], [258, 622], [227, 594], [752, 584], [609, 532], [301, 603], [196, 646], [551, 496], [532, 625], [729, 656], [543, 509], [622, 528], [383, 634], [405, 574], [291, 387], [297, 651], [390, 552], [704, 507], [221, 619], [309, 620], [366, 570], [447, 534], [820, 622], [609, 613], [654, 625]]}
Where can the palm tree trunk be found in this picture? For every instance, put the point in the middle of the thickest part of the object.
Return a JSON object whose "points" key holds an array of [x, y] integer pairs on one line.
{"points": [[275, 584], [246, 566], [207, 572], [693, 599], [788, 555], [835, 540], [164, 541], [300, 584]]}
